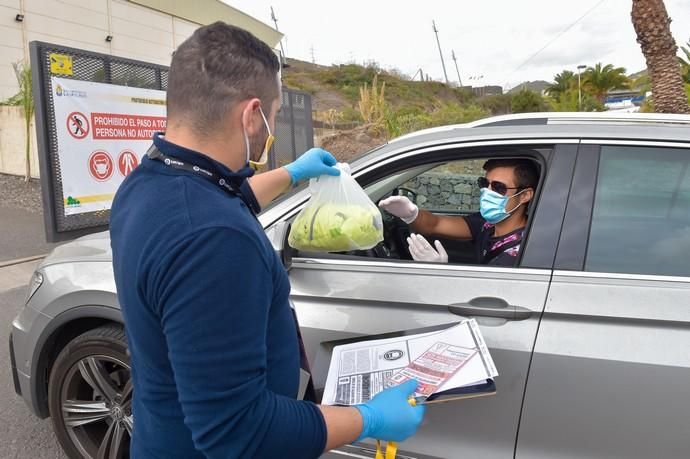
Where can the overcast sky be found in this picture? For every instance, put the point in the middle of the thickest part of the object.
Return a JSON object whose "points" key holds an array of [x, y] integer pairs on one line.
{"points": [[491, 38]]}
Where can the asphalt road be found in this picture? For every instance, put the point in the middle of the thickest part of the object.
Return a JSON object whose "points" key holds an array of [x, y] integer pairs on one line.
{"points": [[21, 234], [22, 435]]}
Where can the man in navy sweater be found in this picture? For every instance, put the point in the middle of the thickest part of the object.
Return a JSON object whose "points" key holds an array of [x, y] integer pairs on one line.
{"points": [[214, 344]]}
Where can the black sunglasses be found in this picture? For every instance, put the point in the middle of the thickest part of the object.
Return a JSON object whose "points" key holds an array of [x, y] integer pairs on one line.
{"points": [[499, 187]]}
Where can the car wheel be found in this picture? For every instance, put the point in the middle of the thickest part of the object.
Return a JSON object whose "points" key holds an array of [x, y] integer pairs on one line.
{"points": [[90, 395]]}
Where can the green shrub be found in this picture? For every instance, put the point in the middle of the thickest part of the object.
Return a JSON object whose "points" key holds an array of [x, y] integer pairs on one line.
{"points": [[527, 101]]}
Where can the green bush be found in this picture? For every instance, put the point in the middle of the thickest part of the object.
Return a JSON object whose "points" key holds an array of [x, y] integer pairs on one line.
{"points": [[527, 101], [567, 101], [455, 114], [499, 104], [351, 114], [300, 82], [410, 119]]}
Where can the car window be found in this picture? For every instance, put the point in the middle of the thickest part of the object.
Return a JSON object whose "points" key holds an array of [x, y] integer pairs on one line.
{"points": [[448, 188], [641, 218]]}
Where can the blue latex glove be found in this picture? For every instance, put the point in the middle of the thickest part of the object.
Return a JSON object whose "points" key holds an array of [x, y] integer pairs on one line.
{"points": [[312, 164], [389, 416]]}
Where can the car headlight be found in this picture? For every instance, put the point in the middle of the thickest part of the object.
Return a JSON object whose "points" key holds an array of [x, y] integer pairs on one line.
{"points": [[36, 281]]}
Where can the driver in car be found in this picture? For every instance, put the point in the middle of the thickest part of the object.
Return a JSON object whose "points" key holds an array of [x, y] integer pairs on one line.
{"points": [[496, 230]]}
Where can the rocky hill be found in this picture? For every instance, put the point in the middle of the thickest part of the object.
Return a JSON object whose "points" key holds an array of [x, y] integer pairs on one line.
{"points": [[338, 86]]}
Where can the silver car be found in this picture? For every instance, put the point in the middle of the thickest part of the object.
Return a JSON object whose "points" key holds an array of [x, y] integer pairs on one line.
{"points": [[590, 331]]}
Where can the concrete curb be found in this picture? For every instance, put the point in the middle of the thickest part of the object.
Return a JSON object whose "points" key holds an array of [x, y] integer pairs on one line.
{"points": [[18, 261]]}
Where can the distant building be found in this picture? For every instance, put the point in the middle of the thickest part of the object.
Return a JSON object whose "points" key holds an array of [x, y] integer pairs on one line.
{"points": [[487, 91], [622, 95], [146, 30], [624, 100]]}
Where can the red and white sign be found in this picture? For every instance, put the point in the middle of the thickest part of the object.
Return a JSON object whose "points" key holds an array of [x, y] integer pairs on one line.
{"points": [[126, 162], [125, 126], [77, 125], [100, 165], [101, 137]]}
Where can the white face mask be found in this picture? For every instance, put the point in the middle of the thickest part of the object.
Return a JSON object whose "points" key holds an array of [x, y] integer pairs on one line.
{"points": [[267, 146]]}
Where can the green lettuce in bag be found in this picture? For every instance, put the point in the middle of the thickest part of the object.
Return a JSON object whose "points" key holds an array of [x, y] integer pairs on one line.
{"points": [[339, 217]]}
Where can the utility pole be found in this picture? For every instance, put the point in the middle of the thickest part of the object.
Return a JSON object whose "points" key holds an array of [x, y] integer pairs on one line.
{"points": [[313, 59], [275, 21], [579, 87], [439, 51], [456, 67]]}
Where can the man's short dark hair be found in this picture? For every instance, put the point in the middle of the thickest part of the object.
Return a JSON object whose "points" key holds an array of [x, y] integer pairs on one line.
{"points": [[217, 67], [526, 172]]}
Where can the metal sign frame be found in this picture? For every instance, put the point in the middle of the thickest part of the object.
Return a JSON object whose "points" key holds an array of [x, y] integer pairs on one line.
{"points": [[294, 128], [85, 66]]}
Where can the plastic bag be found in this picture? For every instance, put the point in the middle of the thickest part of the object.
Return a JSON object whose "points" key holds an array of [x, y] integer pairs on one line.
{"points": [[338, 217]]}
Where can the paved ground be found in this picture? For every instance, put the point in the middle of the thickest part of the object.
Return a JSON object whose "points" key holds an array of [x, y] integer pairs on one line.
{"points": [[21, 219], [22, 435], [21, 234]]}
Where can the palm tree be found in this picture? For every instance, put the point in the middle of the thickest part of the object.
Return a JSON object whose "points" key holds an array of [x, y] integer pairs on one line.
{"points": [[25, 99], [651, 23], [685, 64], [563, 82], [601, 79]]}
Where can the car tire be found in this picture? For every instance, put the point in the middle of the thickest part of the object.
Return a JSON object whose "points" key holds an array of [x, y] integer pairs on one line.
{"points": [[90, 395]]}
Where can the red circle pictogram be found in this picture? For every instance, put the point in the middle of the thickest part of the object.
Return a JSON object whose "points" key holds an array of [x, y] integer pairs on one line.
{"points": [[77, 125], [100, 165], [127, 160]]}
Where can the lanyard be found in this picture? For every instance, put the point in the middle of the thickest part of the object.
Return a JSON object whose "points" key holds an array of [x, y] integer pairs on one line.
{"points": [[391, 450], [226, 185], [391, 446]]}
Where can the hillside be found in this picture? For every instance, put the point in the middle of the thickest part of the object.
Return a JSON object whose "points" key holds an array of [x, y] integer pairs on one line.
{"points": [[536, 86], [337, 87], [409, 105]]}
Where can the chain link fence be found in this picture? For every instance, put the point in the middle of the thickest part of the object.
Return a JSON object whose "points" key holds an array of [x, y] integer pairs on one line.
{"points": [[294, 128]]}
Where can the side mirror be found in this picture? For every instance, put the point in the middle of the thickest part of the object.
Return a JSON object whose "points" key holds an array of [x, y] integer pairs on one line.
{"points": [[278, 235]]}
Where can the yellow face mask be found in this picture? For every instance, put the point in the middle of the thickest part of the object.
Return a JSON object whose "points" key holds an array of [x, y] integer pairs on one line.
{"points": [[269, 143]]}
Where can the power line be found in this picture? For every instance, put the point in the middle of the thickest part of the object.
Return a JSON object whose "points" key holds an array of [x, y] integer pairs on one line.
{"points": [[559, 35]]}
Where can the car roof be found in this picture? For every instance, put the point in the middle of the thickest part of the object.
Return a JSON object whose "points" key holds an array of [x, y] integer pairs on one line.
{"points": [[643, 132], [564, 118]]}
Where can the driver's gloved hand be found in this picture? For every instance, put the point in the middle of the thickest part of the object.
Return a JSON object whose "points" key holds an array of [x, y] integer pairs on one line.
{"points": [[401, 207], [421, 250]]}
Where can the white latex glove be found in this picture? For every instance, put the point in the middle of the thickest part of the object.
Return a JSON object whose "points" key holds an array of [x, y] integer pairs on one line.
{"points": [[421, 250], [401, 207]]}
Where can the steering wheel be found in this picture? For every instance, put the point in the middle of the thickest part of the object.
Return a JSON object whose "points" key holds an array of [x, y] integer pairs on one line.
{"points": [[395, 230], [407, 192]]}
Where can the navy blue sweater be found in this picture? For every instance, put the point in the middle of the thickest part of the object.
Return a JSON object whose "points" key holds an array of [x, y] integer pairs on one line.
{"points": [[215, 354]]}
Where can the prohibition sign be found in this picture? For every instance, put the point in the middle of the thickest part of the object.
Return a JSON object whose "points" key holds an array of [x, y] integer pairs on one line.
{"points": [[77, 125], [100, 165], [126, 162]]}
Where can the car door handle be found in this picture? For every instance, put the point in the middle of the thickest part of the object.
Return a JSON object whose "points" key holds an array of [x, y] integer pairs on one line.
{"points": [[487, 306]]}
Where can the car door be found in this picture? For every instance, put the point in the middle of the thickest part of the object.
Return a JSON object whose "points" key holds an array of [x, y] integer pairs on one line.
{"points": [[344, 297], [610, 376]]}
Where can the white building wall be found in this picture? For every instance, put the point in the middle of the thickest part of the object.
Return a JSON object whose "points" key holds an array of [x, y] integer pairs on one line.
{"points": [[11, 46], [138, 32]]}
